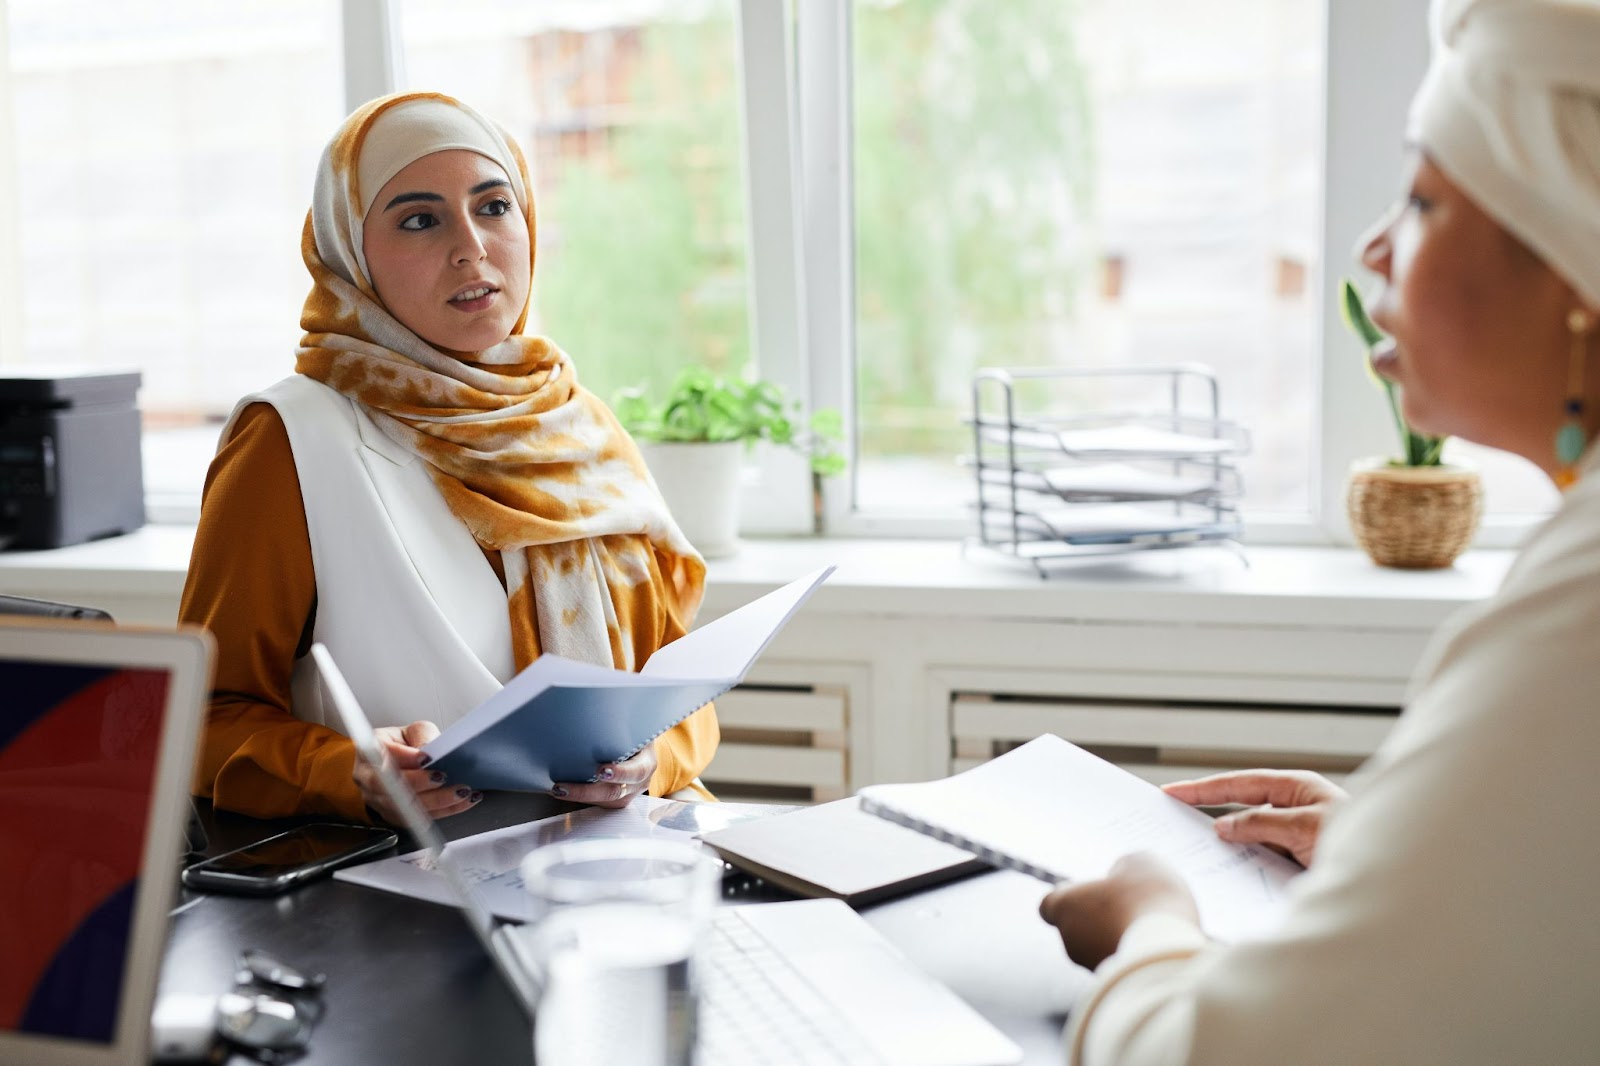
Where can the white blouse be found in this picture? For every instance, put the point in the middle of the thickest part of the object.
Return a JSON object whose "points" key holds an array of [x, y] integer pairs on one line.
{"points": [[1452, 914]]}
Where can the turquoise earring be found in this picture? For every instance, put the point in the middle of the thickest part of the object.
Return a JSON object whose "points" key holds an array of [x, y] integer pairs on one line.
{"points": [[1571, 438]]}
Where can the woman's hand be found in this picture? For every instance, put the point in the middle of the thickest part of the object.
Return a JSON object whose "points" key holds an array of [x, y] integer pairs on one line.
{"points": [[619, 781], [1092, 916], [1295, 802], [440, 798]]}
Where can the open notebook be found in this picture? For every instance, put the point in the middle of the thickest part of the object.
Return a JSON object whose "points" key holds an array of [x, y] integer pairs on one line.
{"points": [[1056, 812], [559, 719]]}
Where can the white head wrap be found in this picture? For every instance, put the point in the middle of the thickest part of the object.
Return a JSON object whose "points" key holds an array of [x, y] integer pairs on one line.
{"points": [[534, 465], [401, 134], [1510, 109]]}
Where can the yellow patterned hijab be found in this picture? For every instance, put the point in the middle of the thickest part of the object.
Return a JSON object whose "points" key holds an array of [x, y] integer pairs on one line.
{"points": [[536, 466]]}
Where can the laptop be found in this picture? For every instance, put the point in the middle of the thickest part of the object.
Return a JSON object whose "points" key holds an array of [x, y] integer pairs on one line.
{"points": [[808, 981], [98, 728]]}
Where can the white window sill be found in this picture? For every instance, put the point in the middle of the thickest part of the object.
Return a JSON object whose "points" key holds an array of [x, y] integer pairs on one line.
{"points": [[1290, 586]]}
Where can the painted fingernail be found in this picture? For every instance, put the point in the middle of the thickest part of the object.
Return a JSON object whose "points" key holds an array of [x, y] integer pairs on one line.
{"points": [[437, 777], [559, 792], [476, 796], [425, 760], [607, 774], [463, 792]]}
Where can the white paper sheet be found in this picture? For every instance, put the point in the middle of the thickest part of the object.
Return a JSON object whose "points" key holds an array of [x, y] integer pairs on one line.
{"points": [[491, 861]]}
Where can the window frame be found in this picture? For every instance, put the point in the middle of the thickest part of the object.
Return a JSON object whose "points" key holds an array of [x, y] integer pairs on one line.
{"points": [[1376, 52], [11, 350], [794, 73]]}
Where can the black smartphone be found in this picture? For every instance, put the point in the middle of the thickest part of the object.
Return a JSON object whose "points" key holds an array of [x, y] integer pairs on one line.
{"points": [[279, 863]]}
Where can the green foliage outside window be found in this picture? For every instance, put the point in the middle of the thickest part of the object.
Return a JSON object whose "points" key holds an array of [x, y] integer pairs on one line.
{"points": [[971, 140]]}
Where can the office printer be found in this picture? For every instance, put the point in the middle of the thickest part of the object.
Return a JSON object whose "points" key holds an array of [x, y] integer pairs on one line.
{"points": [[69, 456]]}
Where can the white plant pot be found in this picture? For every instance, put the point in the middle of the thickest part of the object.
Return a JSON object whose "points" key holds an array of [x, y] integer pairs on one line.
{"points": [[700, 483]]}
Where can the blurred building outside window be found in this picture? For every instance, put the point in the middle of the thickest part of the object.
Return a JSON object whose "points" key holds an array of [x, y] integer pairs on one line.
{"points": [[1039, 182]]}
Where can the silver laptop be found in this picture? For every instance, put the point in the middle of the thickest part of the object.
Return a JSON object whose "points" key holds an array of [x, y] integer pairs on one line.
{"points": [[803, 982], [98, 728]]}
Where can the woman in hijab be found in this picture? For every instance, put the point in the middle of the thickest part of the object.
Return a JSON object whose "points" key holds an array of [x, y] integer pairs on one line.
{"points": [[1448, 914], [432, 494]]}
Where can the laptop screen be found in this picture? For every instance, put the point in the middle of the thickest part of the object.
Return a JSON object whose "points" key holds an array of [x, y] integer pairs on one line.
{"points": [[79, 750]]}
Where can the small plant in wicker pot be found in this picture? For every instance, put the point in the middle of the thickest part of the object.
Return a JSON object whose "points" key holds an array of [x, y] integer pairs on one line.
{"points": [[1414, 511]]}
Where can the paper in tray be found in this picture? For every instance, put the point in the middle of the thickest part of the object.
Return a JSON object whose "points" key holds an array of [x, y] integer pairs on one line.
{"points": [[1109, 524]]}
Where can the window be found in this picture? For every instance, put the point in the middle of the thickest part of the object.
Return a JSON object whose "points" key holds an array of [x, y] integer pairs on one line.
{"points": [[869, 198], [164, 156], [629, 115], [1103, 182]]}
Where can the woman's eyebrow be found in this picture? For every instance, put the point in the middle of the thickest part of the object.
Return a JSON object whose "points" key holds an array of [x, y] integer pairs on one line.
{"points": [[413, 197], [433, 197]]}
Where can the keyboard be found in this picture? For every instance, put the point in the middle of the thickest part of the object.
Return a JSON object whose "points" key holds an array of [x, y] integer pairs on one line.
{"points": [[756, 1009]]}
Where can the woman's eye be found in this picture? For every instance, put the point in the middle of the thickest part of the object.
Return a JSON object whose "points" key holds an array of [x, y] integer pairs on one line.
{"points": [[496, 207], [1419, 202], [419, 221]]}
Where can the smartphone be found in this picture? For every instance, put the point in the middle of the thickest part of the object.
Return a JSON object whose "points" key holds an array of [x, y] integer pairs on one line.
{"points": [[279, 863]]}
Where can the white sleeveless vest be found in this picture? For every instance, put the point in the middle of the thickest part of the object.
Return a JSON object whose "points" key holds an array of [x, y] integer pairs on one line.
{"points": [[406, 602]]}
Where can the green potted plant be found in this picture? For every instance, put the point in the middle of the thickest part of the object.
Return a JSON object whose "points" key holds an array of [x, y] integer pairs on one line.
{"points": [[1414, 511], [694, 438]]}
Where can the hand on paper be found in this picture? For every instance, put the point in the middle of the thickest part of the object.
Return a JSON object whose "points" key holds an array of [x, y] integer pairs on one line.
{"points": [[1091, 916], [618, 782], [440, 798], [1287, 807]]}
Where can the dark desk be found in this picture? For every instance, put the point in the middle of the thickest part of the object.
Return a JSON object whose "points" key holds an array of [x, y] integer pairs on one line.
{"points": [[408, 982]]}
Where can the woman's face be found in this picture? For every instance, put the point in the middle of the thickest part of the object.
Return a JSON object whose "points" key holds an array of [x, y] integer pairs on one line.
{"points": [[447, 249], [1479, 322]]}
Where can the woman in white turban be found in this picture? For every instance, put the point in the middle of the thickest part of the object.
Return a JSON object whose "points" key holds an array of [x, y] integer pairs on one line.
{"points": [[1448, 913]]}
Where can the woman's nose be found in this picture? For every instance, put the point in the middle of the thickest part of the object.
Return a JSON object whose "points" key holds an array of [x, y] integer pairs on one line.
{"points": [[1374, 246], [469, 247]]}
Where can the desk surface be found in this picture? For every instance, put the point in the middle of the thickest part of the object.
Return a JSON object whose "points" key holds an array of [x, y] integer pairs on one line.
{"points": [[408, 982]]}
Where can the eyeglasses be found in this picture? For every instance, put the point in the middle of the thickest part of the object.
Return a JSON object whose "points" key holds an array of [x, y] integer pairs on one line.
{"points": [[272, 1009]]}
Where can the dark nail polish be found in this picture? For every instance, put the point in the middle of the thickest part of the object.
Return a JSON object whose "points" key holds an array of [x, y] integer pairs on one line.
{"points": [[425, 760], [607, 774], [463, 792], [476, 796], [437, 777], [558, 792]]}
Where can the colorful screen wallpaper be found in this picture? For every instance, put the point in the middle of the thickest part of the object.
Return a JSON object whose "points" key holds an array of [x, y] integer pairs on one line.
{"points": [[78, 753]]}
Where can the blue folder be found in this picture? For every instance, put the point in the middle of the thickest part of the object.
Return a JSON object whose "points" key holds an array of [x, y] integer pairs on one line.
{"points": [[558, 719]]}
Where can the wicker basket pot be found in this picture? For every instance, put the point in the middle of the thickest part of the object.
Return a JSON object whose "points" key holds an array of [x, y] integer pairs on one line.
{"points": [[1417, 517]]}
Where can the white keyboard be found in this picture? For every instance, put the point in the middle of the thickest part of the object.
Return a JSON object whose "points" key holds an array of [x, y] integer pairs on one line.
{"points": [[757, 1010]]}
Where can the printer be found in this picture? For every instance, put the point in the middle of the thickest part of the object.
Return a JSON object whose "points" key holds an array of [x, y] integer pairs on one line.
{"points": [[70, 464]]}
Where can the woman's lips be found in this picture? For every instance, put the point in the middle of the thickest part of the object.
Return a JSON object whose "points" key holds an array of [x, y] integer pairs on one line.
{"points": [[476, 303], [1386, 359]]}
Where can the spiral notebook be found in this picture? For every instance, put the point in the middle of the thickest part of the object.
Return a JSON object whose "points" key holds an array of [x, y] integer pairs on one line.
{"points": [[558, 719], [1056, 812]]}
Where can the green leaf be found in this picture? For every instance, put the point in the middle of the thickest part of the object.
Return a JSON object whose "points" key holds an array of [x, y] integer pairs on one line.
{"points": [[828, 424], [704, 407], [1355, 315], [828, 465], [1417, 449]]}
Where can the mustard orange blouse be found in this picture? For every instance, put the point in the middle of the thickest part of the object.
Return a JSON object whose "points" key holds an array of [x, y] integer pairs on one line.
{"points": [[252, 584]]}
